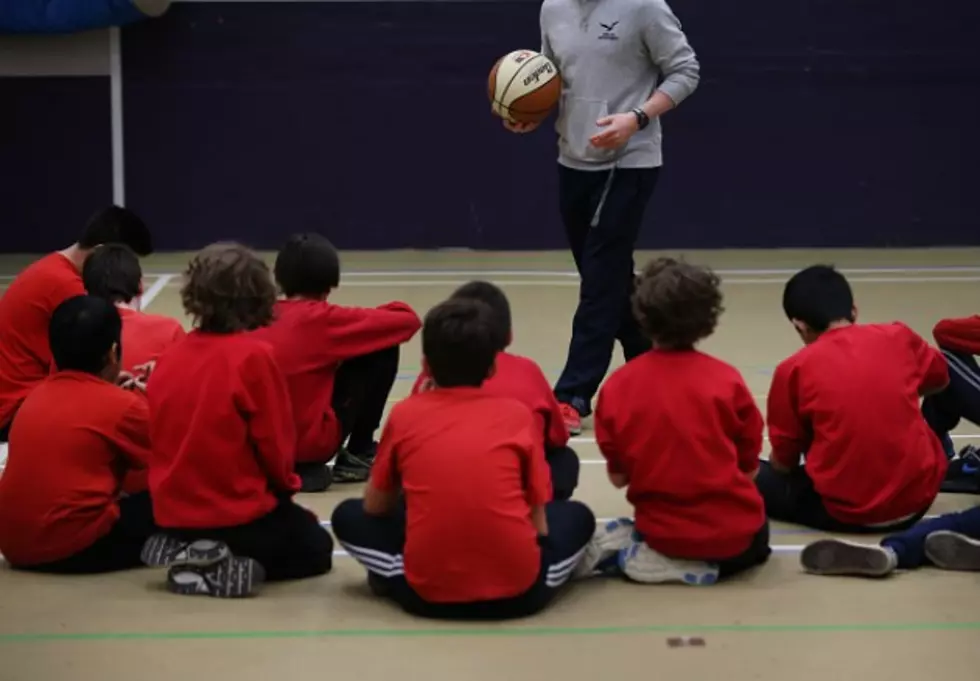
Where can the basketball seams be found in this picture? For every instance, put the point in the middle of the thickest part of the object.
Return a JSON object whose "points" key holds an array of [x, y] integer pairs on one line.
{"points": [[536, 95]]}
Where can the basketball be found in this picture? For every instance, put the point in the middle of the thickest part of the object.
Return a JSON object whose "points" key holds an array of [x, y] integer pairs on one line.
{"points": [[524, 87]]}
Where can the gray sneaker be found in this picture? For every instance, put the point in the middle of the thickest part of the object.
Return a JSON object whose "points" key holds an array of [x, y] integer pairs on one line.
{"points": [[229, 577], [351, 468], [840, 557], [953, 551]]}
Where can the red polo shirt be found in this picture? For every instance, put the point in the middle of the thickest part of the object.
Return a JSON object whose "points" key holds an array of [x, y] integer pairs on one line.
{"points": [[471, 466], [684, 429], [850, 403], [521, 378], [25, 313], [222, 432], [74, 439]]}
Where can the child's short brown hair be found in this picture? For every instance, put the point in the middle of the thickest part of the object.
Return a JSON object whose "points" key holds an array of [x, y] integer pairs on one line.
{"points": [[677, 303], [228, 288]]}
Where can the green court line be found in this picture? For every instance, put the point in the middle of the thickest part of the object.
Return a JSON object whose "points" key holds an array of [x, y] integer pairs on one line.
{"points": [[498, 632]]}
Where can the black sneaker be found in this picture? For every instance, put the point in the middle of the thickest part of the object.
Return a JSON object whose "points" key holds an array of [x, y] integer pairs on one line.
{"points": [[351, 468], [228, 577], [839, 557], [314, 477], [963, 474], [164, 550], [953, 551]]}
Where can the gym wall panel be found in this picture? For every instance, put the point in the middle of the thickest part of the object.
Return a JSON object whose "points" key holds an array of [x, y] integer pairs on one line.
{"points": [[55, 140]]}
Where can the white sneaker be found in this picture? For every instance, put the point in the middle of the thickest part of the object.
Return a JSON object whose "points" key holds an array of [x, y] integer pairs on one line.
{"points": [[608, 540], [642, 564], [952, 551]]}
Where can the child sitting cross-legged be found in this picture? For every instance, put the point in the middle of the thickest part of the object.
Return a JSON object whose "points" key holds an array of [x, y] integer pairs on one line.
{"points": [[223, 437], [681, 432], [456, 520]]}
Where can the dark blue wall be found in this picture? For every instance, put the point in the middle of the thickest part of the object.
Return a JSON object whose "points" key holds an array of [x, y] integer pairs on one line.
{"points": [[55, 159], [818, 123]]}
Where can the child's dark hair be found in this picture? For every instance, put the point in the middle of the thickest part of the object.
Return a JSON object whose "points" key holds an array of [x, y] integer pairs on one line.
{"points": [[113, 272], [496, 300], [227, 288], [117, 225], [677, 303], [82, 332], [459, 342], [307, 265], [818, 296]]}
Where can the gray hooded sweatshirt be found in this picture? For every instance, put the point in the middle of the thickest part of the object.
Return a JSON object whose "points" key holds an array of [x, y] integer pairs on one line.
{"points": [[612, 56]]}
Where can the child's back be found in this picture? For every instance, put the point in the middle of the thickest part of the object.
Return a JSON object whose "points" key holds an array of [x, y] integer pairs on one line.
{"points": [[685, 431], [471, 468], [222, 432], [850, 400], [146, 336]]}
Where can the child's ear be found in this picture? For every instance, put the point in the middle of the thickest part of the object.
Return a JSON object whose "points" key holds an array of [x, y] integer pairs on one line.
{"points": [[854, 314]]}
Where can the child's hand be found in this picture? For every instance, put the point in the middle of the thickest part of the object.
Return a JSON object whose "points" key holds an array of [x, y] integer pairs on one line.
{"points": [[514, 126], [128, 381]]}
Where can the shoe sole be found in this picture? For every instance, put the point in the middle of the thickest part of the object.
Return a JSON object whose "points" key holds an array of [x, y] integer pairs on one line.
{"points": [[952, 551], [351, 473], [162, 550], [836, 557], [232, 577], [637, 571]]}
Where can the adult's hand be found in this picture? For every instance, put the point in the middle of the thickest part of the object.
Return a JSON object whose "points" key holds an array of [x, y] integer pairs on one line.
{"points": [[617, 130], [520, 128]]}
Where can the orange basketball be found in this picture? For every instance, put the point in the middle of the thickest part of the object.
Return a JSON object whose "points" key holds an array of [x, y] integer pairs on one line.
{"points": [[524, 87]]}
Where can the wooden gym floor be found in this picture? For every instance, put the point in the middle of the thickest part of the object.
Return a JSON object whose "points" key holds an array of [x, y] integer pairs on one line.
{"points": [[771, 625]]}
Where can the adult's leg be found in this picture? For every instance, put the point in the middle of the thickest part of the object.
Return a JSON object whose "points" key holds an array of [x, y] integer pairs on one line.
{"points": [[564, 464], [119, 549], [288, 542], [756, 554], [606, 268]]}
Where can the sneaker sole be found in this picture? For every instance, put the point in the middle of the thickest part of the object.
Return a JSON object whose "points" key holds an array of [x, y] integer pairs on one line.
{"points": [[952, 551], [836, 557], [162, 550], [350, 475], [637, 571], [232, 577], [597, 552]]}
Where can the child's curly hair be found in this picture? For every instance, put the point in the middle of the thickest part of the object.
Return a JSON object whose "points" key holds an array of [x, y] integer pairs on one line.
{"points": [[676, 303], [228, 288]]}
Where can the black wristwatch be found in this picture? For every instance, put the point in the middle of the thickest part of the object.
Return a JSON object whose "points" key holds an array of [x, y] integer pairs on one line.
{"points": [[642, 120]]}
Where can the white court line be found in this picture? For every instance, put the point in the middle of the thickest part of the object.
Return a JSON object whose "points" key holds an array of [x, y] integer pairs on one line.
{"points": [[561, 283], [151, 293]]}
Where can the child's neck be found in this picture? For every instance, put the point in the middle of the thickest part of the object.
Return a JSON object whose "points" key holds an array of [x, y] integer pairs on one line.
{"points": [[76, 255], [839, 324]]}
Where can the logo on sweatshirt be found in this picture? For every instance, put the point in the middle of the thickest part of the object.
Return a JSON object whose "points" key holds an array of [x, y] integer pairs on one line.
{"points": [[609, 31]]}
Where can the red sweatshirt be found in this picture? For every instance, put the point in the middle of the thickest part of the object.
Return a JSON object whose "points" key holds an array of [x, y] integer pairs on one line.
{"points": [[959, 335], [221, 432], [310, 339]]}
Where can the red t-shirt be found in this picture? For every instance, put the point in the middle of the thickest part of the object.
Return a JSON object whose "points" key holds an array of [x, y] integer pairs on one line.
{"points": [[471, 466], [959, 335], [25, 313], [73, 440], [521, 378], [222, 432], [684, 429], [146, 336], [310, 339], [850, 403]]}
